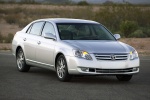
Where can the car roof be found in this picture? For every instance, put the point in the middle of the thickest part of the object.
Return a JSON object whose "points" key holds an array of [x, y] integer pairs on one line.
{"points": [[67, 20], [62, 20]]}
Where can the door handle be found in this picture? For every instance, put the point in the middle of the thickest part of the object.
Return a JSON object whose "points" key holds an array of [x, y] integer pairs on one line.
{"points": [[39, 42], [24, 39]]}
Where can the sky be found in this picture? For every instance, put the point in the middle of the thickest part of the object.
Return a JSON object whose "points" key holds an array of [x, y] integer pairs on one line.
{"points": [[102, 1], [131, 1]]}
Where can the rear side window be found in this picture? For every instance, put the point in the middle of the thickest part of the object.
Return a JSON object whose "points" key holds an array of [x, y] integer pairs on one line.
{"points": [[36, 28], [29, 29]]}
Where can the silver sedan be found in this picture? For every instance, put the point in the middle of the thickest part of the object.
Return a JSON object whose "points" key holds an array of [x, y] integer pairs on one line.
{"points": [[74, 47]]}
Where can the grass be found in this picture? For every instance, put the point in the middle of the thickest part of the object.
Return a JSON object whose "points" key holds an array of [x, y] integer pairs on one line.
{"points": [[111, 16], [142, 45], [5, 46], [6, 39]]}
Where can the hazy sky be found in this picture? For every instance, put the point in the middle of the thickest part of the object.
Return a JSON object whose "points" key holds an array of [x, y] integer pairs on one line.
{"points": [[102, 1], [131, 1]]}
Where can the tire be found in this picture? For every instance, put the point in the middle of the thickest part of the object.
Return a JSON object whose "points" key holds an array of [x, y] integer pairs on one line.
{"points": [[124, 77], [62, 69], [21, 63]]}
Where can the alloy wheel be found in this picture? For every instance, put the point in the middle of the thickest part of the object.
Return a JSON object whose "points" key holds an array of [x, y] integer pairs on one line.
{"points": [[20, 59], [61, 68]]}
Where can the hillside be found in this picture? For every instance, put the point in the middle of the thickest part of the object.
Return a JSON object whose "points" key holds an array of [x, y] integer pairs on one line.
{"points": [[118, 1], [128, 20], [89, 1], [118, 19], [39, 1]]}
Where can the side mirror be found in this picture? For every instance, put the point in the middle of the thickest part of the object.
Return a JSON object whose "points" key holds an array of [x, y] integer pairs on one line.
{"points": [[49, 36], [117, 36]]}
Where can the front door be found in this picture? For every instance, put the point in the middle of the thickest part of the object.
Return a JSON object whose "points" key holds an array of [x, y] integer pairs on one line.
{"points": [[45, 48]]}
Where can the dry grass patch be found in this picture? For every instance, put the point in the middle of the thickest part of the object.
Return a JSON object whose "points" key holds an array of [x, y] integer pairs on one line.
{"points": [[50, 7], [142, 45], [5, 46], [110, 16], [6, 28]]}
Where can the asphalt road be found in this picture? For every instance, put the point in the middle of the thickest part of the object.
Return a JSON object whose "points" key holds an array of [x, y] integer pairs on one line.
{"points": [[42, 84]]}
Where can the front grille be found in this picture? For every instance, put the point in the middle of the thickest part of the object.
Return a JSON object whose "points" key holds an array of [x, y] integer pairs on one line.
{"points": [[114, 70], [111, 56]]}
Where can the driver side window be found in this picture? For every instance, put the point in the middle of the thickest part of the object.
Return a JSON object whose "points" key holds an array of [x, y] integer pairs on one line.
{"points": [[36, 28], [48, 28]]}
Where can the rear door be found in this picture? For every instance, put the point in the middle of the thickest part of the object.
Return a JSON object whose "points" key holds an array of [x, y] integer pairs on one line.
{"points": [[30, 40]]}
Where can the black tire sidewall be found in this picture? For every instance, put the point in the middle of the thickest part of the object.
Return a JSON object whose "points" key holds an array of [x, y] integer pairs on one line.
{"points": [[25, 67]]}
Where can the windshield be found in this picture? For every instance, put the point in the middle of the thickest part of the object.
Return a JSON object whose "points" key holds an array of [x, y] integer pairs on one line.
{"points": [[83, 31]]}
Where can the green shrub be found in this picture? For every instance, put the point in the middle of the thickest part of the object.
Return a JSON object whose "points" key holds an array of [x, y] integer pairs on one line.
{"points": [[146, 31], [2, 1], [128, 27], [28, 2], [83, 3], [9, 38], [108, 3], [1, 38], [138, 34], [11, 19]]}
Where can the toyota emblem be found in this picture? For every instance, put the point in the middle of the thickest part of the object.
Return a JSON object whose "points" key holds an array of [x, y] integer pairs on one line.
{"points": [[113, 57]]}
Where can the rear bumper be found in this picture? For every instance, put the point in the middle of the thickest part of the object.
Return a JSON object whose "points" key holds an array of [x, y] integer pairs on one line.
{"points": [[80, 66]]}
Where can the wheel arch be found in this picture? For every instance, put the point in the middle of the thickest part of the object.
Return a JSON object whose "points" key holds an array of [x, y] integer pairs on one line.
{"points": [[66, 76], [18, 47], [56, 57]]}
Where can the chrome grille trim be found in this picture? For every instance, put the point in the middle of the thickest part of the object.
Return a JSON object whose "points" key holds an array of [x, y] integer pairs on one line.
{"points": [[114, 70], [109, 56]]}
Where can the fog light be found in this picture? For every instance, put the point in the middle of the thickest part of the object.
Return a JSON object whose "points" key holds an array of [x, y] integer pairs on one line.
{"points": [[134, 69], [85, 69]]}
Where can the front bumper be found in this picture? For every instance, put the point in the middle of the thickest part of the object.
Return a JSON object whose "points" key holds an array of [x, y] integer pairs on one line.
{"points": [[79, 66]]}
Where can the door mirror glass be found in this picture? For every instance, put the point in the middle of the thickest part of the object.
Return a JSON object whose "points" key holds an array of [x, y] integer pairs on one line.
{"points": [[117, 36], [49, 36]]}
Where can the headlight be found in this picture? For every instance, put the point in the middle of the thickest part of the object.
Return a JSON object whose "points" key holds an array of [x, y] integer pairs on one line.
{"points": [[133, 55], [82, 54]]}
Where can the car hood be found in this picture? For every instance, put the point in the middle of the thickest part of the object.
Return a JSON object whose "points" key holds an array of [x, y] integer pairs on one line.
{"points": [[100, 46]]}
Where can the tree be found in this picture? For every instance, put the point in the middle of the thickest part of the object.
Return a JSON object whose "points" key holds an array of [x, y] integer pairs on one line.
{"points": [[83, 3], [27, 1]]}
